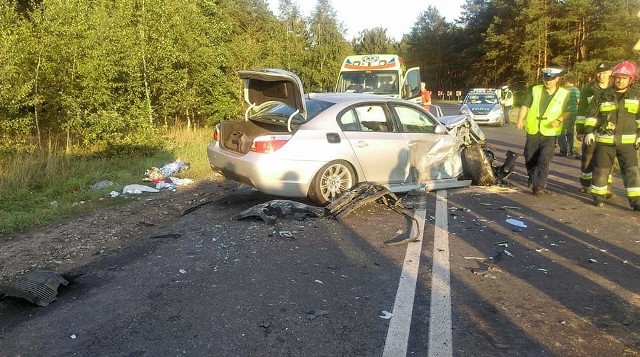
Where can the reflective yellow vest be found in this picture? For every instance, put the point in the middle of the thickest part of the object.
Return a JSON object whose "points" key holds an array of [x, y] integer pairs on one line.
{"points": [[536, 122]]}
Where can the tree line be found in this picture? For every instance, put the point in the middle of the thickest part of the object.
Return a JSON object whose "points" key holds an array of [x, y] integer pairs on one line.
{"points": [[94, 75]]}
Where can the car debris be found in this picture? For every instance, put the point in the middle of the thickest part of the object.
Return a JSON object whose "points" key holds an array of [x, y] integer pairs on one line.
{"points": [[386, 315], [313, 313], [39, 287], [516, 222], [270, 211]]}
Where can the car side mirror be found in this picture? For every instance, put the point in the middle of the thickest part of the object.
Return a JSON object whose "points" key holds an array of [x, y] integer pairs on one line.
{"points": [[440, 129]]}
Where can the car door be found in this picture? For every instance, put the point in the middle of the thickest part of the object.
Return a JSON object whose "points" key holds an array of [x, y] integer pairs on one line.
{"points": [[380, 149], [430, 153]]}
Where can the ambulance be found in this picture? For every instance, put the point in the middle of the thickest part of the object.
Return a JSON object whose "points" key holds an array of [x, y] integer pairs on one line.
{"points": [[382, 74]]}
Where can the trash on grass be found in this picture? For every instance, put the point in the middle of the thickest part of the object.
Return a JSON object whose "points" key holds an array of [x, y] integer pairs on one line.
{"points": [[101, 184], [137, 189], [156, 175]]}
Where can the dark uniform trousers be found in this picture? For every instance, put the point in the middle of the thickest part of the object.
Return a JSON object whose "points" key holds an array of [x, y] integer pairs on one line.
{"points": [[538, 152], [604, 156]]}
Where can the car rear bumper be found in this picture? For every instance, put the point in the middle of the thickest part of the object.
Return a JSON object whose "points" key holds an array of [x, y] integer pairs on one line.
{"points": [[265, 172]]}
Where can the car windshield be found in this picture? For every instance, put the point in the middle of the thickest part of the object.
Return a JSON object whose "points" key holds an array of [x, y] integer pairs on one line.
{"points": [[378, 82], [278, 112], [481, 99]]}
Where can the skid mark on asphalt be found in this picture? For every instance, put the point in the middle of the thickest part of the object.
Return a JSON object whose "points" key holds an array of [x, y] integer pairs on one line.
{"points": [[440, 340]]}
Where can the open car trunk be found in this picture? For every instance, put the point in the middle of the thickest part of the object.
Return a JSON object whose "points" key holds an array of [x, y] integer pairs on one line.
{"points": [[238, 135]]}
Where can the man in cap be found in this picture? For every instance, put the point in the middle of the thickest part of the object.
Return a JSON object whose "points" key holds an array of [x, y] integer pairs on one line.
{"points": [[542, 114], [507, 101], [602, 81]]}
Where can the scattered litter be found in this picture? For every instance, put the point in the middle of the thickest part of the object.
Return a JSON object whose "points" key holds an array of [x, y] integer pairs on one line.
{"points": [[508, 253], [286, 234], [39, 287], [503, 243], [386, 315], [73, 337], [114, 194], [318, 281], [156, 175], [593, 261], [516, 222], [138, 189], [312, 314], [483, 273], [539, 250], [474, 258], [166, 235], [100, 185], [543, 270]]}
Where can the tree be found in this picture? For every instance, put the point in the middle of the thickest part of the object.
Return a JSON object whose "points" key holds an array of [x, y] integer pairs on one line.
{"points": [[327, 48], [374, 40]]}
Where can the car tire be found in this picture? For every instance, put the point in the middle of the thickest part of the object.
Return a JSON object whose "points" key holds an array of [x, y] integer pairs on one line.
{"points": [[330, 181], [476, 164]]}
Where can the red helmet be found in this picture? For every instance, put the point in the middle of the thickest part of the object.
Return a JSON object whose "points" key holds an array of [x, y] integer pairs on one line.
{"points": [[625, 68]]}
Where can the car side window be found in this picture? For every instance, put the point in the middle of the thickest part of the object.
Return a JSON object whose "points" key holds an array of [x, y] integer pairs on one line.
{"points": [[373, 118], [349, 122], [413, 120]]}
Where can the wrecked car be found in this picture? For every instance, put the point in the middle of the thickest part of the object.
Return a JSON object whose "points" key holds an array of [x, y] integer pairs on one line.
{"points": [[318, 145]]}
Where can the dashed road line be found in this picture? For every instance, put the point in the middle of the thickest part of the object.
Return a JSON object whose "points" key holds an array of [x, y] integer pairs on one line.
{"points": [[440, 339]]}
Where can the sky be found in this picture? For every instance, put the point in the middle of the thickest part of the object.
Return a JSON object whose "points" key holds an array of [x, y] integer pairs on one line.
{"points": [[360, 15]]}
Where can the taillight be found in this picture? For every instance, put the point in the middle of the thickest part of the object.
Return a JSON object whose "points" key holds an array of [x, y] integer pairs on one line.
{"points": [[268, 144], [216, 133]]}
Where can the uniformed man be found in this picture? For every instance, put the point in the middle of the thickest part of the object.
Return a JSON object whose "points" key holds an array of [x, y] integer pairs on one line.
{"points": [[613, 126], [542, 114]]}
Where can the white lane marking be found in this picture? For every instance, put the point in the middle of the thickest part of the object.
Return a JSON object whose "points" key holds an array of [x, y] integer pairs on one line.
{"points": [[398, 334], [440, 339]]}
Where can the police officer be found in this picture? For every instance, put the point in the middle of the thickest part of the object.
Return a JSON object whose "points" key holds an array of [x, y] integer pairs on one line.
{"points": [[542, 114], [592, 90], [613, 126]]}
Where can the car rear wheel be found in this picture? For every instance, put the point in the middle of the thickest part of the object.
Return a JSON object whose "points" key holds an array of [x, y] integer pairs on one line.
{"points": [[330, 181]]}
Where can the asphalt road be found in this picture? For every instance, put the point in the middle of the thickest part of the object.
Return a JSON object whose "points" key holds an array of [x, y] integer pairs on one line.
{"points": [[560, 280]]}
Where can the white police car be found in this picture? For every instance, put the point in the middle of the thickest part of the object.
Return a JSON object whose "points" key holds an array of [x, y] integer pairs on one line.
{"points": [[483, 106]]}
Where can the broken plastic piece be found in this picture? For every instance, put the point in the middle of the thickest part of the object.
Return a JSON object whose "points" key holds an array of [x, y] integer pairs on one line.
{"points": [[386, 315], [39, 287], [516, 222], [312, 314], [270, 211]]}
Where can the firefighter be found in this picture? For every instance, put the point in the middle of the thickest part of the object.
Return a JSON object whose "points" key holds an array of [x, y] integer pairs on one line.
{"points": [[542, 114], [592, 90], [613, 126]]}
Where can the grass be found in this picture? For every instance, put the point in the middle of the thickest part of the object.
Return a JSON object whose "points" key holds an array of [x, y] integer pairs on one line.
{"points": [[39, 189]]}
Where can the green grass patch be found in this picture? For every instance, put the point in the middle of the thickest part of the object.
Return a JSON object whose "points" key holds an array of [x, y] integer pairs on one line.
{"points": [[41, 188]]}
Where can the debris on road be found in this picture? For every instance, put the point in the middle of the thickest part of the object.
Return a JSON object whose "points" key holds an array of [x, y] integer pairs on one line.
{"points": [[516, 222], [386, 315], [313, 313], [270, 211], [39, 287]]}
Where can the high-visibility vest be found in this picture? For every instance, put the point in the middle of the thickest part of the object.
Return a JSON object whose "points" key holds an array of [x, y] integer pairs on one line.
{"points": [[542, 123]]}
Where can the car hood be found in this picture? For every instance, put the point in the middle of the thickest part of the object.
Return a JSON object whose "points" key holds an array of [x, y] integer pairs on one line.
{"points": [[267, 85]]}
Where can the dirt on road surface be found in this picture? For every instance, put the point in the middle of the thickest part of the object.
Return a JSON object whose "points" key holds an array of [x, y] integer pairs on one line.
{"points": [[65, 245]]}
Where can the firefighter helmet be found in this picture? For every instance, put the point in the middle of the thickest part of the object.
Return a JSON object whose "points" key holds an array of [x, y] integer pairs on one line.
{"points": [[625, 68]]}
